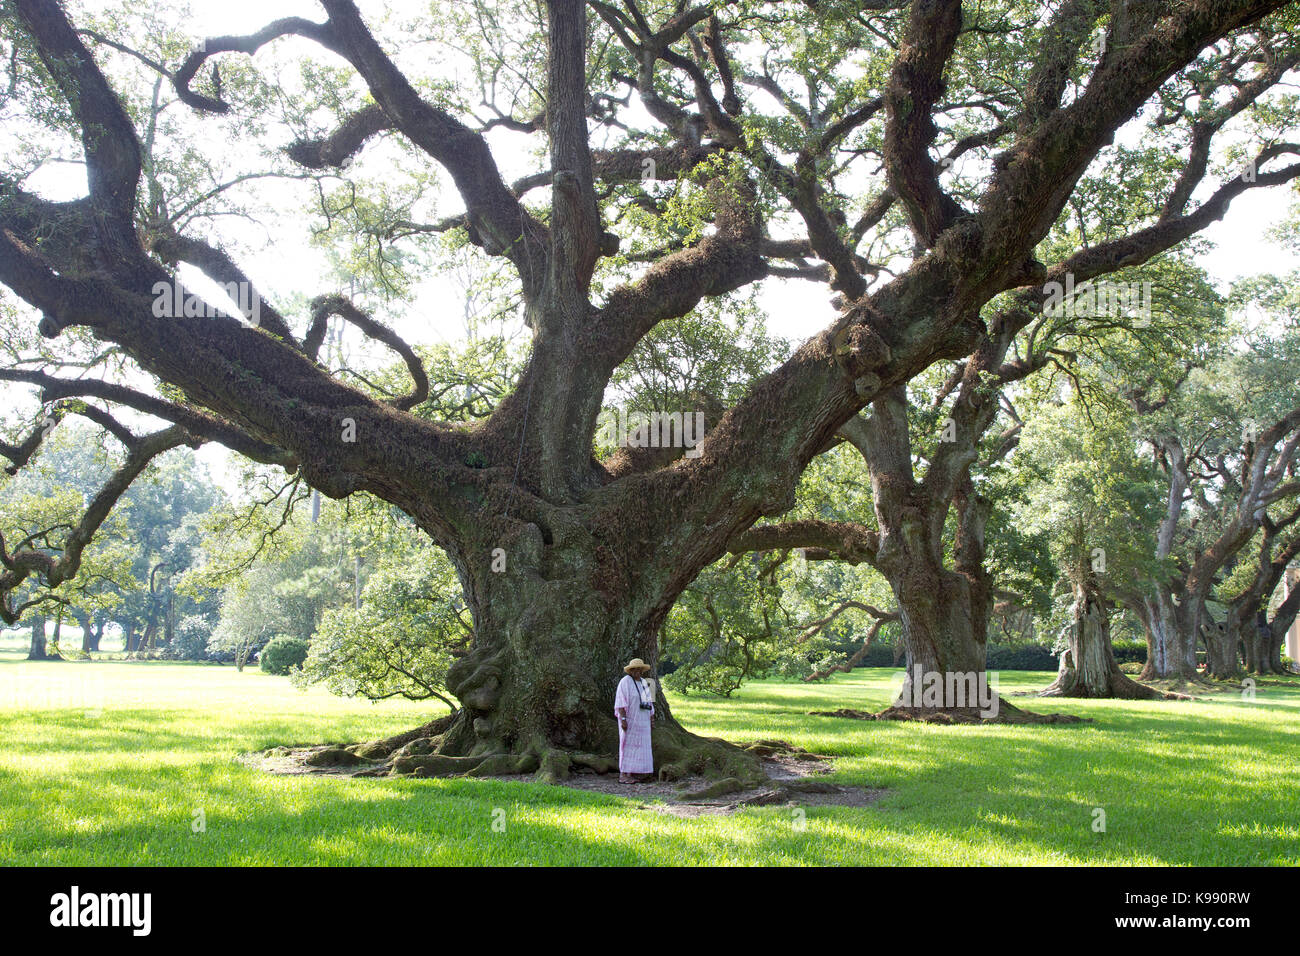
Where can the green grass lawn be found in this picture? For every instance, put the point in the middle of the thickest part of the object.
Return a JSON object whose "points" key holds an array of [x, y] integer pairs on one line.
{"points": [[111, 762]]}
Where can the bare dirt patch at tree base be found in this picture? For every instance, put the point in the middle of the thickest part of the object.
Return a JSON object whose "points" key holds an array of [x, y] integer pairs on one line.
{"points": [[791, 779], [1006, 715], [1157, 694]]}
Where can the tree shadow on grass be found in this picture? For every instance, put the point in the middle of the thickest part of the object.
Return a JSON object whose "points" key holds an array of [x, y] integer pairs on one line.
{"points": [[1179, 783]]}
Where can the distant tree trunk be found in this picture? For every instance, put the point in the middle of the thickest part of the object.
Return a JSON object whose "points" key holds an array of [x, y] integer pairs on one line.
{"points": [[1252, 642], [1283, 619], [1174, 612], [1247, 628], [1221, 646], [1171, 645], [1247, 616], [98, 635], [129, 639], [944, 611], [37, 651], [58, 633], [1088, 667], [169, 622], [83, 622], [150, 629]]}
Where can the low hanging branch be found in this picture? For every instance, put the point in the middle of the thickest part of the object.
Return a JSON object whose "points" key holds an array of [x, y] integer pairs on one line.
{"points": [[881, 618], [820, 540], [57, 565]]}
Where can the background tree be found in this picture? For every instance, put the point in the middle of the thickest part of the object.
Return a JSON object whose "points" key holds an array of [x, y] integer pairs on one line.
{"points": [[1226, 442], [1098, 503]]}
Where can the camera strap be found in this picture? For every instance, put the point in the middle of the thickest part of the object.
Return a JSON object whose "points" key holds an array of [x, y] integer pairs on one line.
{"points": [[640, 691]]}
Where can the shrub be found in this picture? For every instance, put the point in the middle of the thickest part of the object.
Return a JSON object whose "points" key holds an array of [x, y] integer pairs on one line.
{"points": [[1026, 657], [282, 655], [878, 655], [190, 642], [1130, 652], [1131, 668]]}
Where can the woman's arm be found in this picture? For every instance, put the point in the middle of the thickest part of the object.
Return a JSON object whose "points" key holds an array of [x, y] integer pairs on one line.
{"points": [[620, 702]]}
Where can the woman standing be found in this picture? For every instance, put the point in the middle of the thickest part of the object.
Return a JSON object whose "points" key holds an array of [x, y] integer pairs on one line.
{"points": [[634, 704]]}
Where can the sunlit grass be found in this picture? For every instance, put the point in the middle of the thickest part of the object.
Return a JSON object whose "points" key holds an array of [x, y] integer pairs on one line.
{"points": [[114, 762]]}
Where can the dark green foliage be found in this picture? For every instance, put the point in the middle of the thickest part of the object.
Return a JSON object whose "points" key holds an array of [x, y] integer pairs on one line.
{"points": [[1130, 652], [190, 642], [1025, 657], [282, 655]]}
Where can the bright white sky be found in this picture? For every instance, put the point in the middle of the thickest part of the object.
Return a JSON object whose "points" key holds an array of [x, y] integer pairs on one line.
{"points": [[796, 309]]}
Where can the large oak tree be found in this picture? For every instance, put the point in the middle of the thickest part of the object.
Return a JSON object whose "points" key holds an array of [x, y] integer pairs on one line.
{"points": [[808, 130]]}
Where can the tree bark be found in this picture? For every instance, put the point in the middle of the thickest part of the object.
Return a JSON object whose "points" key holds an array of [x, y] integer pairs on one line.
{"points": [[83, 621], [38, 650], [100, 623], [1171, 647], [1088, 667], [556, 618]]}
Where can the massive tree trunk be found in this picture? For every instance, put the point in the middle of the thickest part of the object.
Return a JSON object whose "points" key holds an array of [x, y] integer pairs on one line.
{"points": [[944, 611], [559, 610], [943, 644], [944, 618], [1088, 667]]}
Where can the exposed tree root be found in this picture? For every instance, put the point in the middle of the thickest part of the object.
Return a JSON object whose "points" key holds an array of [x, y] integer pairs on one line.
{"points": [[780, 748], [425, 752], [779, 792], [708, 776], [679, 754], [1121, 687], [1006, 714], [383, 748], [1184, 688], [789, 790]]}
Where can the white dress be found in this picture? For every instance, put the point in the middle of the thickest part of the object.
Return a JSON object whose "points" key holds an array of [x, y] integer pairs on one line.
{"points": [[634, 754]]}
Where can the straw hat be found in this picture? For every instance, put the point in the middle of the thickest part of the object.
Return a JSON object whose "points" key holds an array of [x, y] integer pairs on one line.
{"points": [[636, 664]]}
